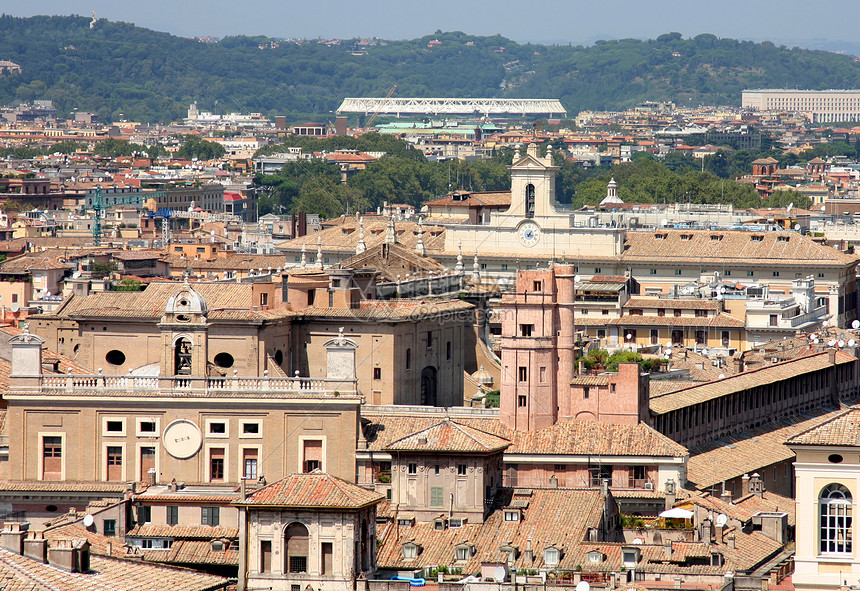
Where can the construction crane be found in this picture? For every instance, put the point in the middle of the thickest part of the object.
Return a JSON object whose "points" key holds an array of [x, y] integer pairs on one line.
{"points": [[98, 204], [387, 96]]}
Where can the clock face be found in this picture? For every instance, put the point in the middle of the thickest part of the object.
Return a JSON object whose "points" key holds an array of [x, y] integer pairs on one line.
{"points": [[182, 439], [529, 234]]}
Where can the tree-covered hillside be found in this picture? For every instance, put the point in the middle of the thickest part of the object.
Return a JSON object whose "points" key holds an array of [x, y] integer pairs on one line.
{"points": [[118, 68]]}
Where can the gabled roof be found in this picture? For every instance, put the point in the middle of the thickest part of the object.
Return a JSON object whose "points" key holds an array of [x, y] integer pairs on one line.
{"points": [[449, 436], [842, 430], [316, 490]]}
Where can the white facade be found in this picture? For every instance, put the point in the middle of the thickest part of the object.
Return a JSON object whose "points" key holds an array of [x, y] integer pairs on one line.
{"points": [[819, 105]]}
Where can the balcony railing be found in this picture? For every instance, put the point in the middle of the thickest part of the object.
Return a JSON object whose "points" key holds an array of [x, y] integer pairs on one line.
{"points": [[199, 386], [644, 484]]}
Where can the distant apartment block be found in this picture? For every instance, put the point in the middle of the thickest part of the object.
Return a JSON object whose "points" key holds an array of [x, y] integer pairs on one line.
{"points": [[822, 106]]}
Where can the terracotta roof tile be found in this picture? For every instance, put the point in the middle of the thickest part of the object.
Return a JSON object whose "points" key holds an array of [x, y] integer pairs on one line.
{"points": [[449, 436], [25, 574], [316, 490], [842, 430]]}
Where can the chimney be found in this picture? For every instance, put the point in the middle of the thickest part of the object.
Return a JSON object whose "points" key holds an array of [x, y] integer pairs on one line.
{"points": [[553, 482], [718, 534], [726, 497], [243, 489], [738, 364], [604, 487], [745, 486], [151, 474], [12, 536], [706, 531], [667, 549], [70, 555], [756, 485], [730, 540], [36, 547], [669, 488], [528, 555], [832, 356]]}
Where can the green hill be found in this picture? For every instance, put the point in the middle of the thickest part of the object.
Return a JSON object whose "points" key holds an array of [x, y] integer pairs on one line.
{"points": [[116, 68]]}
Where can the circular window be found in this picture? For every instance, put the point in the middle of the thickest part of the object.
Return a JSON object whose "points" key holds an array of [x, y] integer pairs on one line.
{"points": [[223, 360], [183, 302], [279, 357], [76, 349], [115, 357], [834, 458], [51, 508]]}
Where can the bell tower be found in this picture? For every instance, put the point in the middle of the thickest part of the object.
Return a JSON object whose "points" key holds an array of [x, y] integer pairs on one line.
{"points": [[532, 184], [184, 334]]}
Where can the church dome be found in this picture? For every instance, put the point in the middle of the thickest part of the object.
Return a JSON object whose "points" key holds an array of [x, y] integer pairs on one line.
{"points": [[186, 301]]}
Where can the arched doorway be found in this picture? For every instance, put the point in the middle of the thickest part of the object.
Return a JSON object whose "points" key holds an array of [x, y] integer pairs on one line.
{"points": [[182, 357], [296, 548], [428, 386]]}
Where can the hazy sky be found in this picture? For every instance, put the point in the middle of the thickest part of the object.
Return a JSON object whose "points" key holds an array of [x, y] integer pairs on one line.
{"points": [[554, 21]]}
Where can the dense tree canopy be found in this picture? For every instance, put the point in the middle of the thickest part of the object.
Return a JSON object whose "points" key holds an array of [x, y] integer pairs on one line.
{"points": [[118, 69]]}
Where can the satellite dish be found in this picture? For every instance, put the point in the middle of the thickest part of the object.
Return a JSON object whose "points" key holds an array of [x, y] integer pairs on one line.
{"points": [[89, 520], [583, 586], [797, 227], [704, 351], [815, 340], [638, 541], [831, 342], [721, 376], [48, 294], [855, 324], [841, 344], [851, 342], [14, 308], [668, 343], [822, 208], [664, 222], [722, 519], [577, 278], [668, 351], [629, 336], [499, 574]]}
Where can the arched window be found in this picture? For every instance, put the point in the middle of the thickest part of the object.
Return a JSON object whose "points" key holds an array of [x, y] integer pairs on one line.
{"points": [[408, 358], [835, 523], [296, 545], [530, 200], [182, 357]]}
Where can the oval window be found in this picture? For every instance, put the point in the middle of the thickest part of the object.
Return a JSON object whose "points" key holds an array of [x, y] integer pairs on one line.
{"points": [[51, 508], [183, 317], [223, 360], [115, 357], [279, 357], [834, 458]]}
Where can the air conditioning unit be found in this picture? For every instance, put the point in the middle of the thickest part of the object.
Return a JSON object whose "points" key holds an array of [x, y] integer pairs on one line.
{"points": [[649, 486]]}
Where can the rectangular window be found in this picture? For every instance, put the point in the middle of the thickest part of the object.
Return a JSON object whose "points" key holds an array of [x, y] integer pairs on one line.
{"points": [[526, 330], [776, 273], [677, 271], [585, 392], [327, 558], [172, 514], [413, 468], [109, 527], [114, 427], [216, 464], [661, 312], [210, 515], [147, 427], [147, 462], [521, 401], [523, 373], [701, 313], [537, 286], [114, 463], [52, 457], [312, 455], [437, 496], [429, 339], [265, 556], [774, 320], [448, 351], [542, 373], [217, 428], [377, 373], [461, 469], [144, 514], [250, 428], [596, 270], [677, 313], [249, 463], [653, 271]]}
